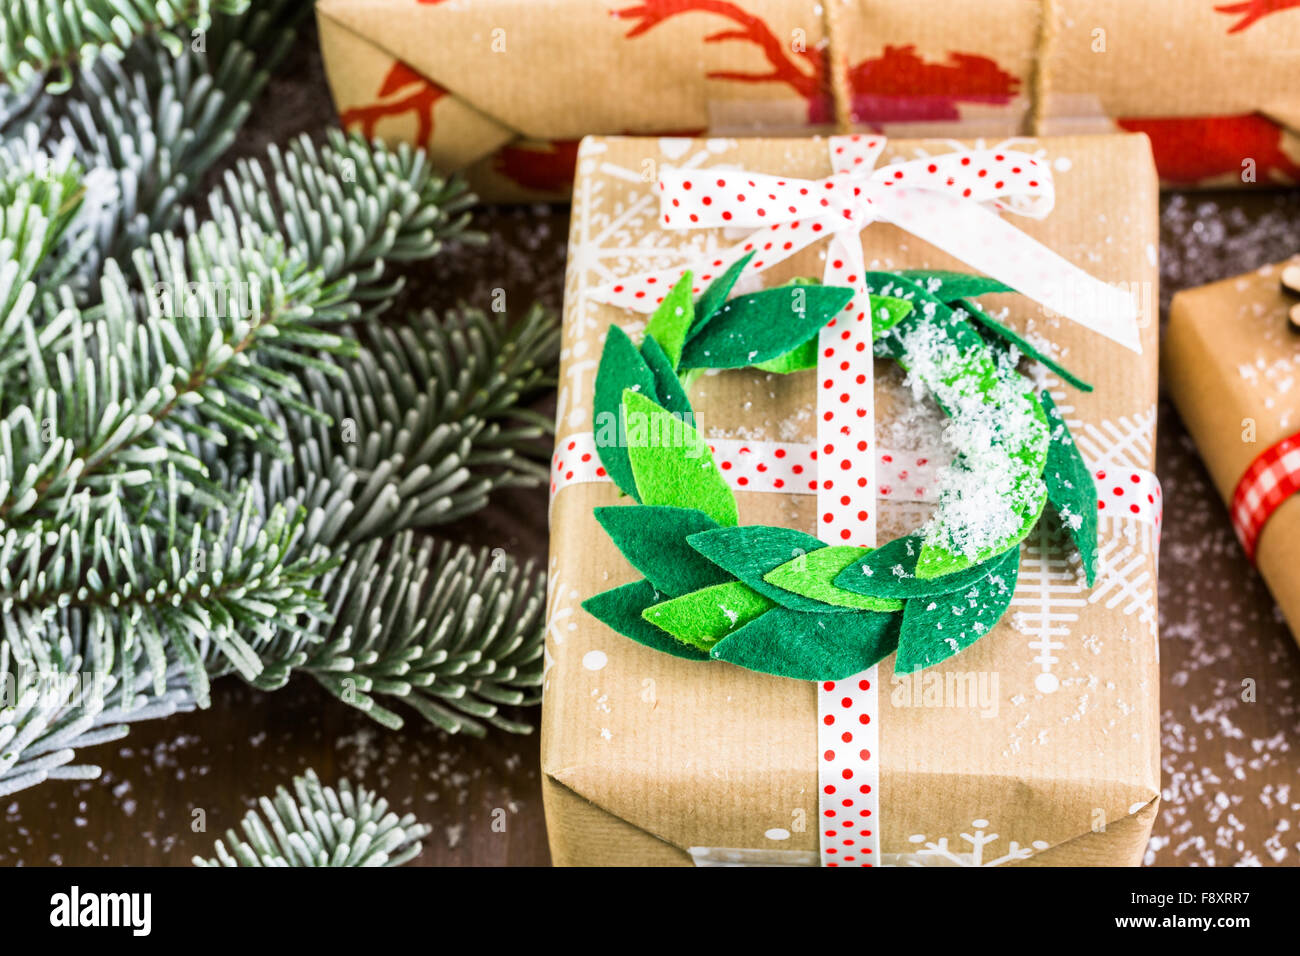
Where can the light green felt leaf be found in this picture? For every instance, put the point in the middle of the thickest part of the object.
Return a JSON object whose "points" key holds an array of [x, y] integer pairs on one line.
{"points": [[813, 575], [1008, 334], [887, 312], [621, 609], [803, 357], [811, 646], [673, 318], [937, 627], [653, 539], [672, 464], [1071, 489], [950, 286], [716, 293], [668, 388], [704, 617], [890, 572], [764, 325], [750, 552], [621, 368]]}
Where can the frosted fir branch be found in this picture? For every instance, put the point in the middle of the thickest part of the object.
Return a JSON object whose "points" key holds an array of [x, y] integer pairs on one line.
{"points": [[225, 311], [427, 422], [119, 385], [423, 425], [21, 108], [48, 715], [42, 37], [348, 208], [133, 597], [155, 123], [453, 632], [320, 826]]}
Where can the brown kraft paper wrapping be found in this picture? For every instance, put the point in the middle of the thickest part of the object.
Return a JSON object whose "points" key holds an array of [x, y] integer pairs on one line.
{"points": [[504, 89], [649, 759], [1230, 363]]}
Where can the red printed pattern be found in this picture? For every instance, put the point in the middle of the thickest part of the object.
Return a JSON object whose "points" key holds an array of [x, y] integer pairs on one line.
{"points": [[1271, 478]]}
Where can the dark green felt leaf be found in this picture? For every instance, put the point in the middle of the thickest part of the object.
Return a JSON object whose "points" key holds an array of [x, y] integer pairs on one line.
{"points": [[1008, 334], [621, 609], [950, 286], [927, 310], [716, 293], [750, 552], [621, 368], [890, 572], [937, 627], [886, 312], [813, 575], [653, 539], [704, 617], [672, 464], [668, 388], [811, 646], [1071, 489], [763, 325], [671, 321]]}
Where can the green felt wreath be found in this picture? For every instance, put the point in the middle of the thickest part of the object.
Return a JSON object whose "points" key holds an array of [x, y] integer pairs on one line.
{"points": [[783, 602]]}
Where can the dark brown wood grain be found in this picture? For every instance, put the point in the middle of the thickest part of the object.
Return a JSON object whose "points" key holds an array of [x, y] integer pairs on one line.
{"points": [[1232, 766]]}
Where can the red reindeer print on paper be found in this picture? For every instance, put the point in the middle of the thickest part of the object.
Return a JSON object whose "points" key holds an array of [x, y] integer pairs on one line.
{"points": [[416, 94], [1201, 148], [543, 167], [1252, 11], [897, 86]]}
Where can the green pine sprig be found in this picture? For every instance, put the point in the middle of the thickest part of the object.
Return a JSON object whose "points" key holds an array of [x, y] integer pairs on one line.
{"points": [[52, 37], [317, 825]]}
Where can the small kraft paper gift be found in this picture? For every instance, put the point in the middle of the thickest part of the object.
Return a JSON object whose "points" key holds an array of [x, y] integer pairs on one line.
{"points": [[504, 89], [854, 526], [1231, 361]]}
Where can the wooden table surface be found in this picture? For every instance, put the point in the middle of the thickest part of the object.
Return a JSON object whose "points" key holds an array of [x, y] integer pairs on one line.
{"points": [[1231, 773]]}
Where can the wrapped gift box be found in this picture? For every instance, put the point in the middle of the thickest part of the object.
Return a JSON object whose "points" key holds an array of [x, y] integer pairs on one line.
{"points": [[1231, 360], [506, 88], [1040, 744]]}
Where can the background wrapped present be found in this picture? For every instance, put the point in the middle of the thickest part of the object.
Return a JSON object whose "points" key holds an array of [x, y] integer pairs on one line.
{"points": [[506, 88], [1231, 361], [1038, 744]]}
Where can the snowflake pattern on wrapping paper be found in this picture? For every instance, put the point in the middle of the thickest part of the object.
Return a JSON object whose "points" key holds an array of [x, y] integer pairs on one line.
{"points": [[942, 853], [561, 605], [1051, 590]]}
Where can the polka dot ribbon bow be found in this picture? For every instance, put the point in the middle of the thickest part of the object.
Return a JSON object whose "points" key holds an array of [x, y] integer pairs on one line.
{"points": [[951, 201], [940, 199]]}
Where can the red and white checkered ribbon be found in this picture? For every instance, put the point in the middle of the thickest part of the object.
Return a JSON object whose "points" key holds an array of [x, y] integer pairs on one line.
{"points": [[1271, 478], [941, 200]]}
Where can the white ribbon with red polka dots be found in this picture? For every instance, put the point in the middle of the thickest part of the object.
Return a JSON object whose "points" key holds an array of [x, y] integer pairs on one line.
{"points": [[938, 199], [778, 467], [950, 200]]}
